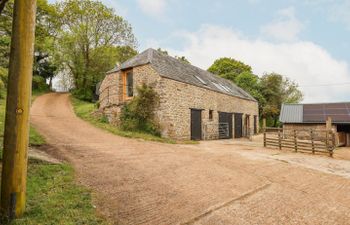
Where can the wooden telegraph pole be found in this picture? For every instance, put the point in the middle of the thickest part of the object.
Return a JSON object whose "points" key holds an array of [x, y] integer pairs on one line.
{"points": [[16, 138]]}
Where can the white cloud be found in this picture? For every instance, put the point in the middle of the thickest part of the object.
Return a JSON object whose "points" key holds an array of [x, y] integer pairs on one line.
{"points": [[285, 27], [154, 8], [304, 62]]}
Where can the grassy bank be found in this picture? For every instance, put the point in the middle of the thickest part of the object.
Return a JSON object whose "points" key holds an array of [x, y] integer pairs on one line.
{"points": [[53, 197], [85, 111]]}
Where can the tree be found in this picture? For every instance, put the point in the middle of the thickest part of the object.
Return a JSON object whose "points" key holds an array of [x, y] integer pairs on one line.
{"points": [[92, 39], [46, 31], [180, 58], [2, 5], [229, 68], [251, 84], [278, 90]]}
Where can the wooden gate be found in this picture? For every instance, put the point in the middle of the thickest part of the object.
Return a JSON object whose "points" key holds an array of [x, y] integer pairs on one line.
{"points": [[313, 140]]}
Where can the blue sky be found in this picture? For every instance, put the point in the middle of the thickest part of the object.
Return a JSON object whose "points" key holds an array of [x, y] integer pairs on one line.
{"points": [[305, 40]]}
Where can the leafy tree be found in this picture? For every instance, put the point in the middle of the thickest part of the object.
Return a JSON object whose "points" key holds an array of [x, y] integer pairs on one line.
{"points": [[251, 83], [277, 90], [229, 68], [180, 58], [92, 39], [2, 5], [46, 28], [183, 59]]}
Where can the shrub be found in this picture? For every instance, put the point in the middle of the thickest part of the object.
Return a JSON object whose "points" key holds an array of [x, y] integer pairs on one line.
{"points": [[83, 94], [138, 114], [39, 83]]}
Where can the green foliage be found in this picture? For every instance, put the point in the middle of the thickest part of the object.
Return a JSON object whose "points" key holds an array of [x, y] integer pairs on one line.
{"points": [[39, 83], [277, 90], [89, 42], [35, 139], [270, 91], [45, 34], [138, 114], [53, 197], [85, 95], [85, 110], [182, 59], [229, 68]]}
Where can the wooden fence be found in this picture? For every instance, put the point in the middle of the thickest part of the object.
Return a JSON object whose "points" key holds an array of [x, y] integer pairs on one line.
{"points": [[323, 141]]}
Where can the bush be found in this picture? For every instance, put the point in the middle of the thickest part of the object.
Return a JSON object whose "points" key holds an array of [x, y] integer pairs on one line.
{"points": [[138, 114], [83, 94], [39, 83]]}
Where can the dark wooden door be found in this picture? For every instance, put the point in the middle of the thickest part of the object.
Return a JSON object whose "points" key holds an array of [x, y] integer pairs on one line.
{"points": [[196, 124], [255, 124], [238, 125], [225, 118]]}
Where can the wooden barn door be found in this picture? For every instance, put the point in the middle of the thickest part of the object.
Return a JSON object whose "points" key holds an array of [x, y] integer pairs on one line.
{"points": [[196, 124], [238, 125]]}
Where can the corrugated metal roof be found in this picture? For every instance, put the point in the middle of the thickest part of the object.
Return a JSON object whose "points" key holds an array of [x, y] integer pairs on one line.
{"points": [[315, 113], [172, 68], [291, 113]]}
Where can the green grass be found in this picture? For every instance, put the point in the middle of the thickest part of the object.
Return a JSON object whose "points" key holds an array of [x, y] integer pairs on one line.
{"points": [[53, 197], [85, 111], [35, 139]]}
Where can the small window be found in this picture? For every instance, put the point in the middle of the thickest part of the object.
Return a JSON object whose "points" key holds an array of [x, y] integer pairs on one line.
{"points": [[211, 114], [129, 84]]}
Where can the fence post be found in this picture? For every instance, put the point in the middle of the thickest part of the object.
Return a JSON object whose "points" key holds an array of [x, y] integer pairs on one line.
{"points": [[327, 140], [279, 139], [264, 129], [312, 141], [333, 145], [295, 141]]}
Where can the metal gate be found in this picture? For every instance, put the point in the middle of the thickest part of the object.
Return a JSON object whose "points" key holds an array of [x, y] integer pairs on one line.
{"points": [[225, 118], [213, 131]]}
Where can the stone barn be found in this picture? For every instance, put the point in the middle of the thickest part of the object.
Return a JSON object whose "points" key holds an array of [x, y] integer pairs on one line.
{"points": [[315, 116], [194, 104]]}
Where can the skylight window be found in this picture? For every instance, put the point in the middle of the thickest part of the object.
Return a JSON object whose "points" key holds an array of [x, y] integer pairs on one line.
{"points": [[200, 79]]}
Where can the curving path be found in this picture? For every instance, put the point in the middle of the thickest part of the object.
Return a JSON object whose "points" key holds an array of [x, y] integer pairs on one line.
{"points": [[138, 182]]}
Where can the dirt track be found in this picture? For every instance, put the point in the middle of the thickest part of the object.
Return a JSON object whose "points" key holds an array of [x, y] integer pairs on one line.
{"points": [[138, 182]]}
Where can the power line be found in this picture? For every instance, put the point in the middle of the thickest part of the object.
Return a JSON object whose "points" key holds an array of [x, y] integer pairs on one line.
{"points": [[326, 85]]}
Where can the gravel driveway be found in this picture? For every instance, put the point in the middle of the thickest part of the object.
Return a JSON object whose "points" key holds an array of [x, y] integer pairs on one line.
{"points": [[139, 182]]}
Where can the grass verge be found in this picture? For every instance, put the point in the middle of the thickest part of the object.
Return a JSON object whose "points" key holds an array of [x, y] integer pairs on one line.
{"points": [[85, 111], [53, 197]]}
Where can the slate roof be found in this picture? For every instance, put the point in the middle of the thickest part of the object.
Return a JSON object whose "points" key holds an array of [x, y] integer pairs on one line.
{"points": [[174, 69], [316, 113]]}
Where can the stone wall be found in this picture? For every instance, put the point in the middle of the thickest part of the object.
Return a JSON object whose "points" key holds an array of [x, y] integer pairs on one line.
{"points": [[176, 101], [303, 131], [178, 98]]}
